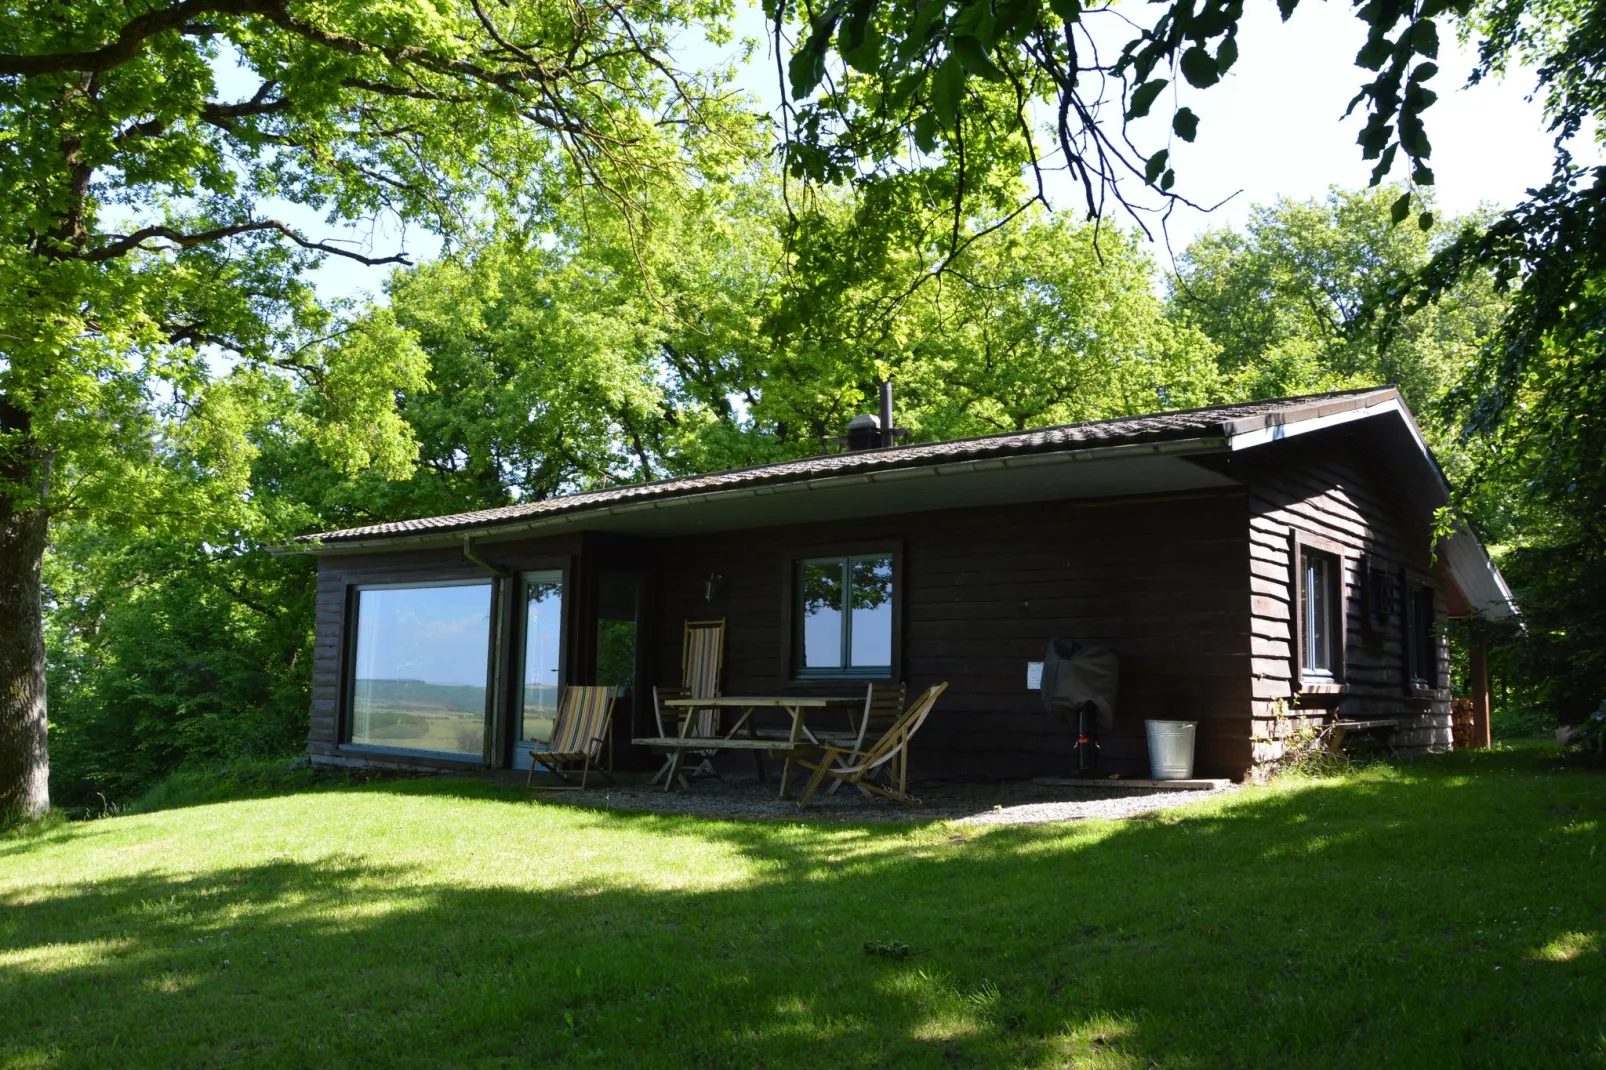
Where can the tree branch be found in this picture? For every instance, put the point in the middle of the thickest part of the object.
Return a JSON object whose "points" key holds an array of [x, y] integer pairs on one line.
{"points": [[132, 37], [259, 104], [127, 243]]}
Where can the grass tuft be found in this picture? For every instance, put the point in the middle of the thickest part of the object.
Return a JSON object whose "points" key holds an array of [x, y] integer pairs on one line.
{"points": [[200, 785]]}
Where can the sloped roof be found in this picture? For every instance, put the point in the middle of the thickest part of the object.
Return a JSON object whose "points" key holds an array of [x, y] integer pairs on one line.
{"points": [[1217, 421]]}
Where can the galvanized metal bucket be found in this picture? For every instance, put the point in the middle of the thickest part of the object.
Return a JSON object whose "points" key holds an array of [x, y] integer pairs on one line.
{"points": [[1171, 749]]}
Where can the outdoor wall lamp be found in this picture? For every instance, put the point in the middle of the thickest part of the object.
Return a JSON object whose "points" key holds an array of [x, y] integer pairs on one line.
{"points": [[712, 585]]}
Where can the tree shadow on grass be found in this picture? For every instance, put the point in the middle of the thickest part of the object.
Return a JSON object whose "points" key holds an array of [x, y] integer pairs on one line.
{"points": [[30, 842], [1417, 920]]}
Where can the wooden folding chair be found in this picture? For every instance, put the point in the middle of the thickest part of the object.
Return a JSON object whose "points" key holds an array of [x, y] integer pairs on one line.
{"points": [[860, 767], [702, 662], [579, 734], [668, 726], [882, 705]]}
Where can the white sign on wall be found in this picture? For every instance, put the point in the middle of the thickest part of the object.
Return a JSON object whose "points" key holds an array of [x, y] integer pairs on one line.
{"points": [[1034, 676]]}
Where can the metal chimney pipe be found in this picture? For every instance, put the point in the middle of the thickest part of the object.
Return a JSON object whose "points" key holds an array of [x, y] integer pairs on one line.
{"points": [[886, 413]]}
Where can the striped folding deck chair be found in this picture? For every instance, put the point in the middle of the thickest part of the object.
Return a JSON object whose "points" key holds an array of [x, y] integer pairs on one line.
{"points": [[702, 662], [579, 734], [851, 765]]}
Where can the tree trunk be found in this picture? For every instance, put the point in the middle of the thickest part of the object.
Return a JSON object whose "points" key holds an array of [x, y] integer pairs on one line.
{"points": [[24, 759]]}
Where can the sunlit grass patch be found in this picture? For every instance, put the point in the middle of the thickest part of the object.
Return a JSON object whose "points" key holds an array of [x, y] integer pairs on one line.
{"points": [[56, 958], [1385, 916], [1569, 946]]}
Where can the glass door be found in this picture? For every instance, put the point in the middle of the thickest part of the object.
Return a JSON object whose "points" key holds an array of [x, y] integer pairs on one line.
{"points": [[541, 662], [618, 615], [619, 598]]}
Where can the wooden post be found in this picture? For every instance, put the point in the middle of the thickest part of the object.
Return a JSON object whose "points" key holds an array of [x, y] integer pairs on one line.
{"points": [[1478, 687]]}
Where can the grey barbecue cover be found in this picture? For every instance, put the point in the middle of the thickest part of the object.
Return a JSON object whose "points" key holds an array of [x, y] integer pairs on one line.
{"points": [[1074, 673]]}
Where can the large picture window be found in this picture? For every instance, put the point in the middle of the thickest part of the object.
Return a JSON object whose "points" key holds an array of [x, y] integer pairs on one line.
{"points": [[844, 616], [420, 667]]}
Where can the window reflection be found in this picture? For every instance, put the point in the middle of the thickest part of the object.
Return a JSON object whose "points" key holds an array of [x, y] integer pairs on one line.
{"points": [[845, 615], [420, 668], [543, 650], [821, 597], [618, 598], [872, 612]]}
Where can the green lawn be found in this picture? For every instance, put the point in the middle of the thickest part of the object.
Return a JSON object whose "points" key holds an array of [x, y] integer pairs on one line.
{"points": [[1445, 913]]}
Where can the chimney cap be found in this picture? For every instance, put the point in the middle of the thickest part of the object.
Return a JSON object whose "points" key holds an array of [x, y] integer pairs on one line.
{"points": [[864, 432]]}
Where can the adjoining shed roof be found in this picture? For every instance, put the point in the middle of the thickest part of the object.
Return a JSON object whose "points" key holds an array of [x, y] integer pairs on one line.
{"points": [[1137, 454]]}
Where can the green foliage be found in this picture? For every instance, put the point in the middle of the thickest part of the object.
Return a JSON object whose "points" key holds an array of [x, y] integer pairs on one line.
{"points": [[1287, 301], [1556, 665], [727, 333], [199, 783], [164, 652], [1530, 408], [964, 82], [183, 640], [600, 353], [152, 301], [1037, 326], [1591, 734], [1026, 325]]}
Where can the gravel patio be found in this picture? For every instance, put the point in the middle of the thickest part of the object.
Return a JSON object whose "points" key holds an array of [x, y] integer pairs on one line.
{"points": [[972, 803]]}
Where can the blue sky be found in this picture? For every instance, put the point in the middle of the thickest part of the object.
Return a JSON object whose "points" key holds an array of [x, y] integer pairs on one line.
{"points": [[1272, 128]]}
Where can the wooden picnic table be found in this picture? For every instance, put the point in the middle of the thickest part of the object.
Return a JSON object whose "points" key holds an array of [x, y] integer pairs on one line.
{"points": [[794, 705]]}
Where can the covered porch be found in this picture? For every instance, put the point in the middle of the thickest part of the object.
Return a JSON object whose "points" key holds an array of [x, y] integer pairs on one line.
{"points": [[455, 650]]}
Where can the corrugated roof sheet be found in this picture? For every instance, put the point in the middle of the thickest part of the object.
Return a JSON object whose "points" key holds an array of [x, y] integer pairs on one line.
{"points": [[1152, 427]]}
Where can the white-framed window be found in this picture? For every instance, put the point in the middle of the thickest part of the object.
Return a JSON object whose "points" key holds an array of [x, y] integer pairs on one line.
{"points": [[1320, 615]]}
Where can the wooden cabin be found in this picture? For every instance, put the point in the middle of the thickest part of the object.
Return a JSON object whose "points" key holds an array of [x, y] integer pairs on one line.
{"points": [[1246, 563]]}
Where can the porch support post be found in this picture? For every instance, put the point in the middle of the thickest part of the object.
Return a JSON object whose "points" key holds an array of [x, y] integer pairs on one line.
{"points": [[1478, 686]]}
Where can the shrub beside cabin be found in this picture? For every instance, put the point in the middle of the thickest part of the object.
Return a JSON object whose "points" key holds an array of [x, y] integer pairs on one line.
{"points": [[1239, 560]]}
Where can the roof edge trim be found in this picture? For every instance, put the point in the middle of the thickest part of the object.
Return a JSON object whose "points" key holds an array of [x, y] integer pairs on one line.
{"points": [[571, 518]]}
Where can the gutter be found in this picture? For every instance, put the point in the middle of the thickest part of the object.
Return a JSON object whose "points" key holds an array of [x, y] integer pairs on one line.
{"points": [[473, 555]]}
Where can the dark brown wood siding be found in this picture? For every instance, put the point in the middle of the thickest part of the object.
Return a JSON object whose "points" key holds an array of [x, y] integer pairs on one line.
{"points": [[1332, 488], [1161, 581]]}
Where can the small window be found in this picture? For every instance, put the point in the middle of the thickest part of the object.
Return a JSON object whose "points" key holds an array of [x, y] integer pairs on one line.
{"points": [[1422, 640], [843, 622], [1319, 608], [1378, 589], [420, 661]]}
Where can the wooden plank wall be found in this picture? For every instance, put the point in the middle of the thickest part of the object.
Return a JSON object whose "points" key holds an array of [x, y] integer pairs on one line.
{"points": [[1162, 581], [1332, 485]]}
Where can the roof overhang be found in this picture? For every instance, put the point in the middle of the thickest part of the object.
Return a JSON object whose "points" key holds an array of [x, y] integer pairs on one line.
{"points": [[1098, 472], [1075, 471]]}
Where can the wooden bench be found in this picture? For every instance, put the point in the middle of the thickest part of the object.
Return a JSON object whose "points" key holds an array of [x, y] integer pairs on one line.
{"points": [[1342, 729], [776, 746]]}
